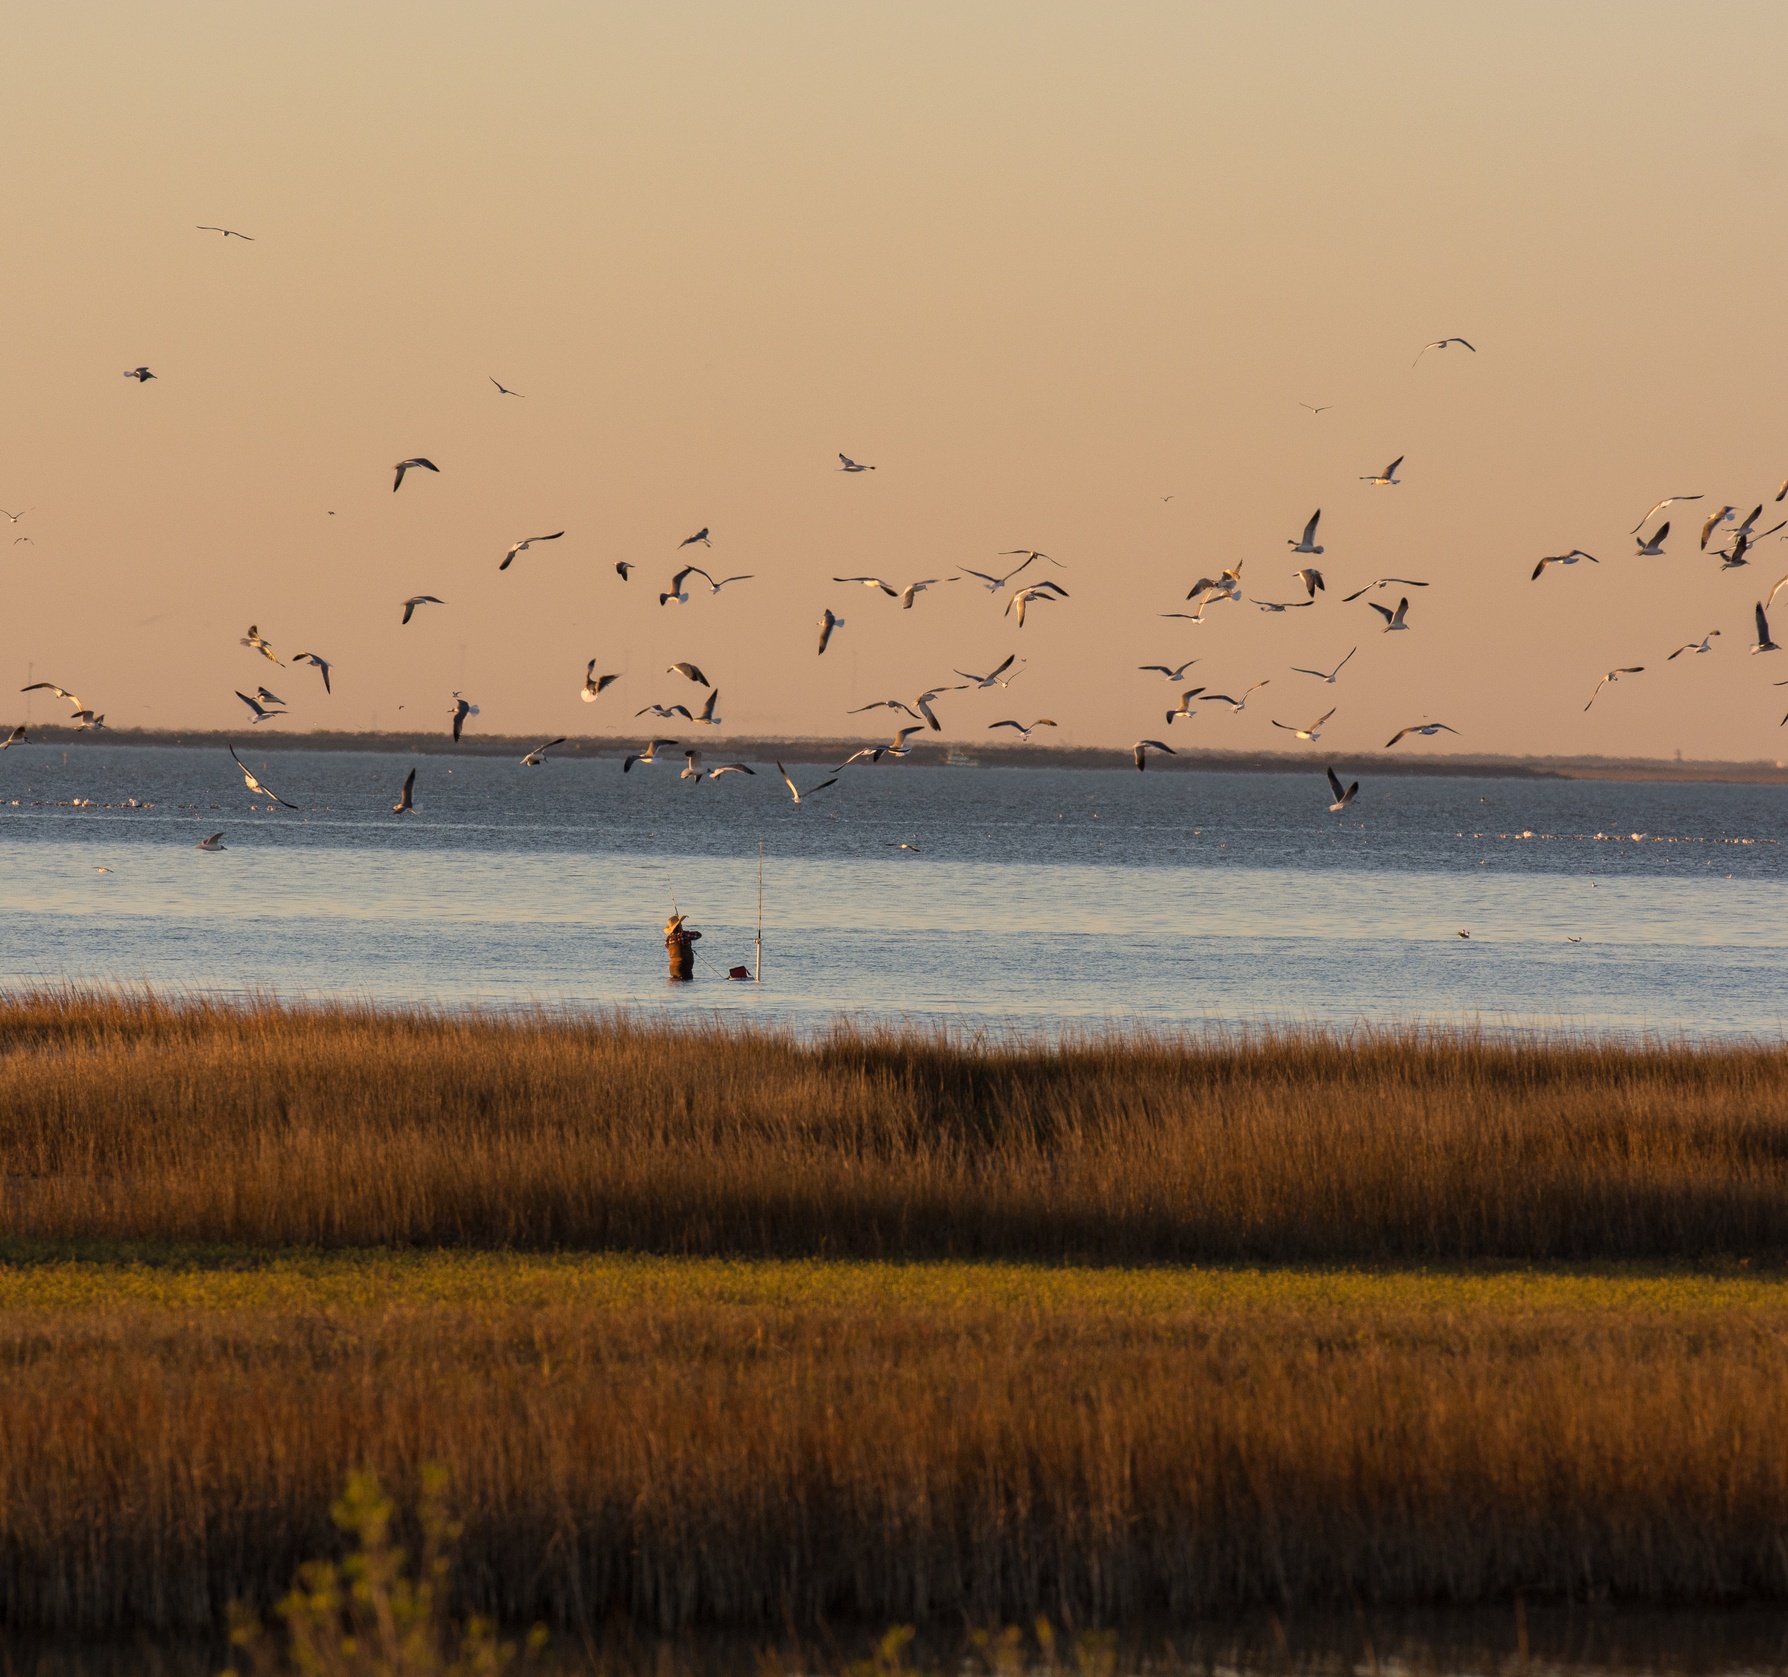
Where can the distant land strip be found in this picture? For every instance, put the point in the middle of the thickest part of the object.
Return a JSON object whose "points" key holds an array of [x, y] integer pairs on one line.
{"points": [[807, 749]]}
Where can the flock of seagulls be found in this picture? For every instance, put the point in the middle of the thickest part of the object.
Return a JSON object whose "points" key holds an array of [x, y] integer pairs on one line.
{"points": [[1734, 542]]}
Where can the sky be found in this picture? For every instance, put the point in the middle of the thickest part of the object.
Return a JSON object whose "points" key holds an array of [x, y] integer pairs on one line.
{"points": [[1064, 273]]}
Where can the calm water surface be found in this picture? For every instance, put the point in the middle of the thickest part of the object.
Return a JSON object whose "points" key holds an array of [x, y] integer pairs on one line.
{"points": [[1034, 897]]}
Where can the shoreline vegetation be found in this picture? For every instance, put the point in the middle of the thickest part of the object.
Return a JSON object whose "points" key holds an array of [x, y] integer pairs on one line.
{"points": [[716, 1328], [813, 751]]}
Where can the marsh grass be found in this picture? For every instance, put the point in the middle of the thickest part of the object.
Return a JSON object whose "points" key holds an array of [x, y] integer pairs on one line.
{"points": [[132, 1118]]}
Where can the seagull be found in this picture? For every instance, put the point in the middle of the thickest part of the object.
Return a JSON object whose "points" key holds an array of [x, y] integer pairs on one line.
{"points": [[267, 698], [1306, 543], [692, 766], [1041, 722], [1668, 501], [730, 768], [1342, 798], [904, 595], [537, 756], [1774, 592], [1749, 527], [706, 713], [1184, 707], [141, 374], [416, 600], [1139, 752], [1764, 643], [503, 390], [462, 708], [1228, 586], [714, 586], [1323, 409], [261, 713], [1702, 644], [1329, 678], [1171, 675], [1313, 732], [689, 672], [1388, 476], [1441, 343], [1311, 578], [85, 719], [869, 753], [996, 583], [796, 791], [322, 664], [228, 233], [827, 624], [60, 692], [523, 546], [888, 704], [899, 747], [1652, 546], [992, 678], [1022, 597], [1279, 605], [622, 567], [404, 465], [1382, 582], [1716, 519], [850, 465], [406, 802], [665, 712], [904, 844], [13, 517], [16, 737], [255, 786], [253, 638], [1392, 619], [676, 585], [648, 753], [1570, 558], [214, 842], [1731, 558], [1240, 704], [1614, 675], [701, 536], [1426, 729], [1028, 554]]}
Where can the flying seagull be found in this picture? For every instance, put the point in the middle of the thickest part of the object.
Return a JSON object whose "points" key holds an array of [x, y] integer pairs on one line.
{"points": [[1382, 582], [827, 624], [904, 595], [1342, 798], [1764, 643], [1041, 722], [1184, 707], [462, 708], [689, 673], [1427, 729], [706, 713], [416, 600], [730, 768], [899, 747], [406, 801], [253, 638], [13, 517], [992, 678], [1388, 476], [503, 390], [1306, 543], [1139, 752], [594, 683], [677, 590], [622, 567], [214, 842], [1392, 619], [1023, 596], [1570, 558], [1441, 343], [1329, 677], [228, 233], [996, 583], [255, 786], [60, 692], [796, 791], [1170, 675], [16, 737], [1227, 586], [322, 664], [1323, 409], [1311, 578], [1713, 521], [261, 712], [1615, 675], [1313, 732], [1240, 704], [850, 465], [523, 546], [141, 374], [1652, 546], [537, 756], [692, 766], [404, 465], [648, 753], [1668, 500], [1279, 605], [1703, 645], [701, 536], [665, 712]]}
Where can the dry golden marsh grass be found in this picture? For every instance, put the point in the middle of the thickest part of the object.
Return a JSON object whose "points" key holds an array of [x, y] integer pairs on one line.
{"points": [[135, 1119], [711, 1328]]}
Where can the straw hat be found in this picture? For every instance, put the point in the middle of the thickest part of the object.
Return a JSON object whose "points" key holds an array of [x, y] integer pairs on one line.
{"points": [[673, 924]]}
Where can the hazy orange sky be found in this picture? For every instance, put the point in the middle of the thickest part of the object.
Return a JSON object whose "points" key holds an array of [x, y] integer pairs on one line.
{"points": [[1042, 264]]}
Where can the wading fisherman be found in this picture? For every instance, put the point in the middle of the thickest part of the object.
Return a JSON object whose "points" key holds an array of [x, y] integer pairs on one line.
{"points": [[679, 944]]}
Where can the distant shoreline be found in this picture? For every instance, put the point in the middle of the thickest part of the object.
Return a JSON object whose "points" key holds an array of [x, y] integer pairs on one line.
{"points": [[809, 749]]}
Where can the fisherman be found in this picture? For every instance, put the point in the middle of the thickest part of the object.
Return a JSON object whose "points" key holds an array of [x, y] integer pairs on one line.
{"points": [[679, 943]]}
